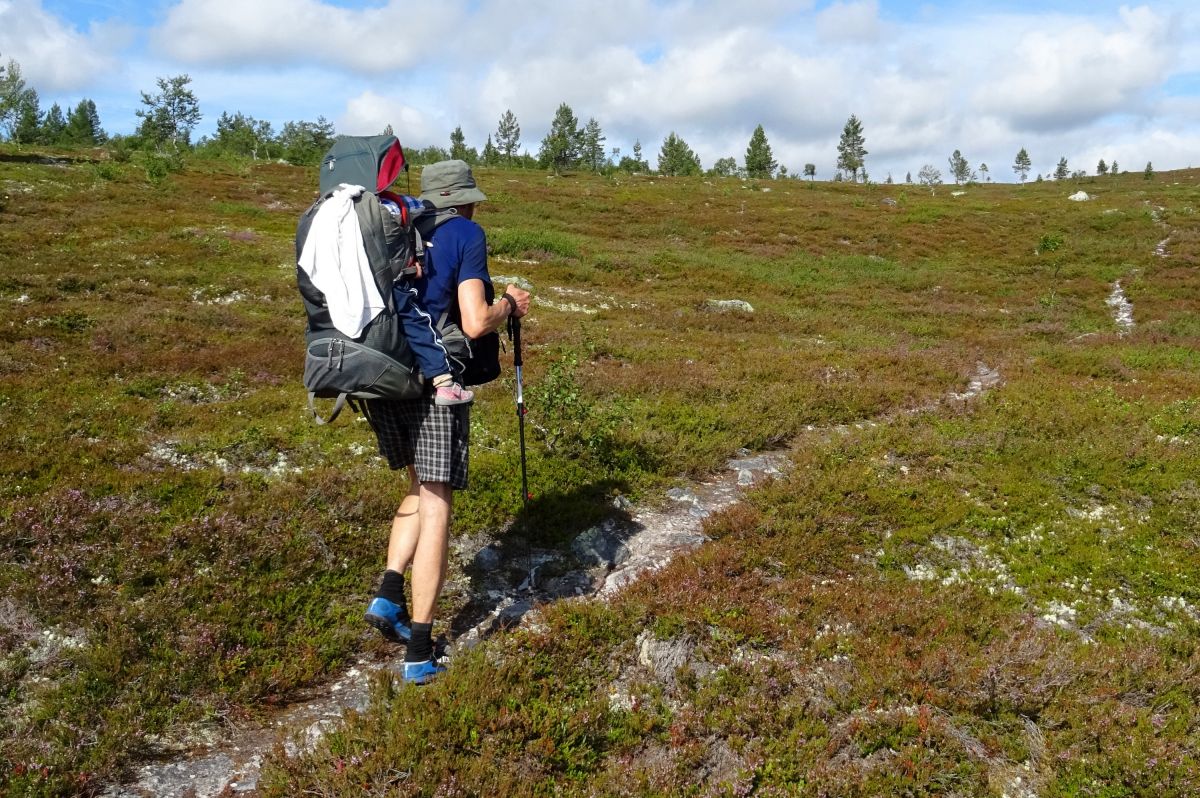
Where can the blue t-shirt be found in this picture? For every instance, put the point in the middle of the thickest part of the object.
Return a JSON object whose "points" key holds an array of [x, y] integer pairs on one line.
{"points": [[458, 252]]}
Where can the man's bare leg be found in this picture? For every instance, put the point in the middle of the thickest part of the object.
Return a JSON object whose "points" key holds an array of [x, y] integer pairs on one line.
{"points": [[406, 527], [432, 548]]}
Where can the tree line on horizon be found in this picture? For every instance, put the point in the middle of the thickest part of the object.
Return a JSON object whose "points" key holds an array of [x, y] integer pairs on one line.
{"points": [[170, 115]]}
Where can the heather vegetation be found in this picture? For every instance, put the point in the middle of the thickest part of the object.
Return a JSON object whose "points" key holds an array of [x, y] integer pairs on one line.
{"points": [[956, 589]]}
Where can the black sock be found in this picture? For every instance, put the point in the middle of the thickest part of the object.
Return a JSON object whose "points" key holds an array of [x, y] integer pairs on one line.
{"points": [[420, 644], [392, 587]]}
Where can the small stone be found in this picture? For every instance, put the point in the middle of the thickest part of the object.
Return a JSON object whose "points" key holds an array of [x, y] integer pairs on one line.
{"points": [[730, 305], [600, 545], [682, 495], [487, 559]]}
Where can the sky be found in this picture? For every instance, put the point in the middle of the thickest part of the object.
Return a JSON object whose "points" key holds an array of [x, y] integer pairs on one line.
{"points": [[1081, 80]]}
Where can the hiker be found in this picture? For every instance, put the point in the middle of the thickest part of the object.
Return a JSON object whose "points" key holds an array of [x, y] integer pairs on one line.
{"points": [[428, 439], [335, 260]]}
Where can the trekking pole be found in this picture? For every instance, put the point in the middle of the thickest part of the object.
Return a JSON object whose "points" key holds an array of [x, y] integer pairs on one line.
{"points": [[514, 332]]}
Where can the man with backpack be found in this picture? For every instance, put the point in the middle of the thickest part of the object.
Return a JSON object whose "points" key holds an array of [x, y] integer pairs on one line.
{"points": [[428, 439]]}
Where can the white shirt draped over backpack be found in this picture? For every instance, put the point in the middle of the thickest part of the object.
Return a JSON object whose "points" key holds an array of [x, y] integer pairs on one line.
{"points": [[335, 259]]}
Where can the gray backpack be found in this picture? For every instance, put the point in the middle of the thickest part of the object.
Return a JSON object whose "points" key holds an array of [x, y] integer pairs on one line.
{"points": [[378, 364]]}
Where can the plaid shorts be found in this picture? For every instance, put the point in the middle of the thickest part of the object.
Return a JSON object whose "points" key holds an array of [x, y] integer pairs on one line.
{"points": [[431, 438]]}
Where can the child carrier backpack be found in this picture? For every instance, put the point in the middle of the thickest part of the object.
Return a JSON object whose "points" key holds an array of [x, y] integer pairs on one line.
{"points": [[378, 363]]}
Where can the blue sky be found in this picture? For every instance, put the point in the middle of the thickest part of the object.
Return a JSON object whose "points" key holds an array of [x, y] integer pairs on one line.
{"points": [[1081, 80]]}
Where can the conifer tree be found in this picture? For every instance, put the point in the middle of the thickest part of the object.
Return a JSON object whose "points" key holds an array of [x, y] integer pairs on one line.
{"points": [[1113, 169], [1062, 171], [490, 155], [1022, 164], [1149, 171], [458, 146], [508, 136], [810, 171], [676, 157], [593, 146], [561, 147], [1102, 168], [759, 162], [851, 151], [54, 126], [634, 163], [83, 124], [27, 127]]}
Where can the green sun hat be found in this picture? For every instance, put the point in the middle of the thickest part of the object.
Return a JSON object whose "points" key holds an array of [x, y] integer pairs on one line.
{"points": [[449, 183]]}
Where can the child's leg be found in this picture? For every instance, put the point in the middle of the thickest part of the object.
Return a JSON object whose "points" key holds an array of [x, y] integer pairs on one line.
{"points": [[425, 344]]}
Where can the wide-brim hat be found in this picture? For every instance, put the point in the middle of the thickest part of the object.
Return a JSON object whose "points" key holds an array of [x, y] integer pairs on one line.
{"points": [[449, 183]]}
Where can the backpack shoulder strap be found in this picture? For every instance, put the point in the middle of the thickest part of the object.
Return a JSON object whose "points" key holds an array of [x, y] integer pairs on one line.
{"points": [[338, 406]]}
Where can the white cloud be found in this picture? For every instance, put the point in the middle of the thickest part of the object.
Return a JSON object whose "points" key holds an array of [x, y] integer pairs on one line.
{"points": [[1057, 79], [53, 55], [373, 40], [369, 113], [855, 21]]}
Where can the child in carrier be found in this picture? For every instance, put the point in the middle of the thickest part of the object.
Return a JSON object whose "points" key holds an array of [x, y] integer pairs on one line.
{"points": [[431, 355]]}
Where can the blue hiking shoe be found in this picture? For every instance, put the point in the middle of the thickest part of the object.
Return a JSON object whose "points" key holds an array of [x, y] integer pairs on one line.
{"points": [[390, 619], [422, 672]]}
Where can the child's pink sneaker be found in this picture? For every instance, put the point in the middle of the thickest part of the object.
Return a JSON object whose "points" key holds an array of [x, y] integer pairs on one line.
{"points": [[453, 394]]}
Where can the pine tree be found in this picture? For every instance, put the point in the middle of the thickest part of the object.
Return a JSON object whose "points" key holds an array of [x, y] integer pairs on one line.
{"points": [[759, 162], [1102, 168], [908, 178], [1113, 169], [83, 124], [983, 170], [1062, 171], [490, 155], [508, 136], [676, 157], [634, 163], [27, 129], [458, 146], [1022, 164], [1149, 171], [54, 126], [960, 170], [642, 163], [850, 148], [593, 146], [561, 146], [810, 171]]}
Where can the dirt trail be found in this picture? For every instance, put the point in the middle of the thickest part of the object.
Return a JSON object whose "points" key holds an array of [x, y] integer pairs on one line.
{"points": [[509, 585], [617, 551]]}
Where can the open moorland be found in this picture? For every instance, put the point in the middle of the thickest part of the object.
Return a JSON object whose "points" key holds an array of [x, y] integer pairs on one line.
{"points": [[979, 575]]}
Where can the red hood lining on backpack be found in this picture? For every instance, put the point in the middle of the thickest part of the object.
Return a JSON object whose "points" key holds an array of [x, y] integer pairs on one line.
{"points": [[390, 166]]}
